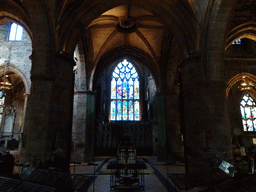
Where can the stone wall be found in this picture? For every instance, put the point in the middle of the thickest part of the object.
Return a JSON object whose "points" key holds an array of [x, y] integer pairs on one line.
{"points": [[17, 52], [239, 59]]}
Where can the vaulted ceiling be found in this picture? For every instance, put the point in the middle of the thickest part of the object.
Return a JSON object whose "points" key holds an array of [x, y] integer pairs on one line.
{"points": [[126, 25]]}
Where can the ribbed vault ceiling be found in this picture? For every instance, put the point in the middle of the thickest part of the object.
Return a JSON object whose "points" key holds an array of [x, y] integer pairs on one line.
{"points": [[126, 25]]}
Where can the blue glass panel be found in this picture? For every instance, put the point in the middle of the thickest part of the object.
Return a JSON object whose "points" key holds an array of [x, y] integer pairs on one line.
{"points": [[122, 75], [125, 89], [127, 70], [119, 110], [137, 111], [130, 87], [119, 89], [130, 109], [125, 110], [113, 89], [113, 110], [136, 89]]}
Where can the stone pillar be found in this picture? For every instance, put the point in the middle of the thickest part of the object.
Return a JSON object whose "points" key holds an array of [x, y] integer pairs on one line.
{"points": [[90, 127], [206, 125], [79, 124], [160, 112], [48, 121], [23, 119], [174, 145]]}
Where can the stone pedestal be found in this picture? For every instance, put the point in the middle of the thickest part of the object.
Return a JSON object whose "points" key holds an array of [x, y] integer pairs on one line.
{"points": [[206, 125]]}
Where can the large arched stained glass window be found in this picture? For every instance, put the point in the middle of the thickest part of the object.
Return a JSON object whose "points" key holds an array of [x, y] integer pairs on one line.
{"points": [[125, 95], [248, 111]]}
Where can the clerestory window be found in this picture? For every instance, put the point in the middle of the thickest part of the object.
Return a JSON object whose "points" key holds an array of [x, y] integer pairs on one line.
{"points": [[125, 93], [248, 111], [15, 32]]}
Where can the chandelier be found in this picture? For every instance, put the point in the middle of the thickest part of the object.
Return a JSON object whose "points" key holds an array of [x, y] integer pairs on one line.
{"points": [[5, 84], [245, 85]]}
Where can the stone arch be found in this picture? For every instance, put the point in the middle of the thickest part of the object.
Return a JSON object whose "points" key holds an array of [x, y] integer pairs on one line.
{"points": [[183, 23], [12, 68], [130, 53], [215, 36], [246, 30], [9, 17]]}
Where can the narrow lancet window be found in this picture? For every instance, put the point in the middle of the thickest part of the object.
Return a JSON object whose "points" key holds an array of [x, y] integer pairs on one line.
{"points": [[15, 32]]}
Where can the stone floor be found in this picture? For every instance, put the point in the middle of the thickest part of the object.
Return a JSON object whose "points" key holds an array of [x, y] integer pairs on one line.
{"points": [[155, 181]]}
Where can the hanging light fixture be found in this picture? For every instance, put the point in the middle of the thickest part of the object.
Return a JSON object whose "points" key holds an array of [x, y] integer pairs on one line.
{"points": [[5, 84], [245, 85]]}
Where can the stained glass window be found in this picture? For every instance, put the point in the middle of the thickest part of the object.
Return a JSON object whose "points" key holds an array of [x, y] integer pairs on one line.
{"points": [[15, 32], [237, 42], [1, 105], [248, 112], [125, 95]]}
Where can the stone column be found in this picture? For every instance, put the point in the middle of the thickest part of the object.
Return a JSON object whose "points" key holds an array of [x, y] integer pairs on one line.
{"points": [[79, 124], [160, 112], [90, 127], [48, 121], [23, 119], [174, 146], [205, 121]]}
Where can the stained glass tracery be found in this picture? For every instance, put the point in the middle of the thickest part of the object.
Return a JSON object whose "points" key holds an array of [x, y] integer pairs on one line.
{"points": [[125, 93], [248, 112]]}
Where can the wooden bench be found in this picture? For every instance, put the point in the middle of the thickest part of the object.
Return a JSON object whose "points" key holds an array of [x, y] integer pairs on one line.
{"points": [[60, 180], [27, 186], [231, 185], [7, 184], [196, 179], [80, 182]]}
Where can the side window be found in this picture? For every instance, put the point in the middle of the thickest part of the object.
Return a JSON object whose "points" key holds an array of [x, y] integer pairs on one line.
{"points": [[15, 32], [248, 112]]}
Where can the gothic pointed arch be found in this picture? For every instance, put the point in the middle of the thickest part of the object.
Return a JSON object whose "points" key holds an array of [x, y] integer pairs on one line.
{"points": [[125, 93], [12, 69], [131, 53]]}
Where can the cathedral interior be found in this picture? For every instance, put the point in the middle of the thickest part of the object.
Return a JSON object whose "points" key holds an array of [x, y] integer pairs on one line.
{"points": [[175, 78]]}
